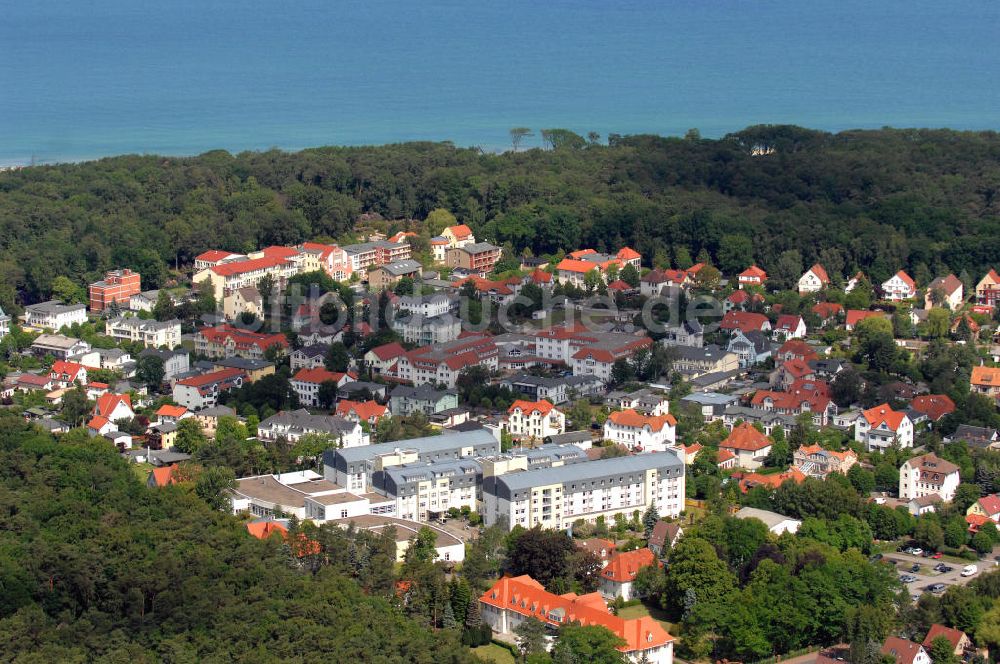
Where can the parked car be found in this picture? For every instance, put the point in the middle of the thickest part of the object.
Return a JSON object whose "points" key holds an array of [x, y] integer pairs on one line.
{"points": [[915, 568], [936, 588], [875, 558], [937, 555], [939, 567], [969, 570], [907, 578], [916, 551]]}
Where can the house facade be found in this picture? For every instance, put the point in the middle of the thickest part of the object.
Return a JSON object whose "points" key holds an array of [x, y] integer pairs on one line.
{"points": [[641, 433], [928, 475], [813, 280], [534, 419], [880, 427], [898, 287], [118, 286]]}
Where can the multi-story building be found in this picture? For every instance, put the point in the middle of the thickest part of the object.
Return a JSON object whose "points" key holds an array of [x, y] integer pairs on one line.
{"points": [[174, 362], [353, 467], [229, 341], [442, 363], [814, 461], [243, 300], [117, 286], [598, 358], [54, 315], [752, 276], [293, 424], [899, 286], [367, 254], [512, 600], [203, 391], [556, 497], [749, 347], [641, 433], [381, 277], [214, 257], [748, 445], [928, 475], [424, 490], [149, 333], [694, 361], [988, 289], [67, 374], [554, 390], [424, 330], [619, 574], [406, 400], [435, 304], [534, 419], [881, 427], [332, 259], [306, 383], [477, 258]]}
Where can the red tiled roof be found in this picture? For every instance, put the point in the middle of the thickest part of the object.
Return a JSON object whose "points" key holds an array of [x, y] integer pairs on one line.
{"points": [[61, 367], [907, 279], [745, 437], [744, 321], [320, 375], [623, 567], [954, 636], [976, 521], [855, 316], [985, 376], [243, 339], [212, 377], [788, 322], [543, 406], [460, 231], [618, 285], [990, 504], [628, 254], [106, 403], [540, 276], [753, 272], [799, 348], [827, 309], [724, 455], [527, 597], [97, 422], [364, 410], [634, 420], [820, 273], [239, 267], [164, 475], [213, 255], [388, 351], [903, 651], [934, 406], [264, 529], [883, 413], [750, 480], [573, 265], [166, 410]]}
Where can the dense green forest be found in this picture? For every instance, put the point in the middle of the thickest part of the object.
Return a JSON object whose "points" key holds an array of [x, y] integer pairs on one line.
{"points": [[96, 567], [881, 200]]}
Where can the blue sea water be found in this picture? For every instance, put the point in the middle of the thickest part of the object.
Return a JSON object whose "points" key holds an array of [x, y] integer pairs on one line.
{"points": [[89, 78]]}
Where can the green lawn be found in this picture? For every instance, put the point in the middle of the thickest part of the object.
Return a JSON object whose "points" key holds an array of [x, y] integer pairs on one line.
{"points": [[141, 471], [655, 612], [493, 653]]}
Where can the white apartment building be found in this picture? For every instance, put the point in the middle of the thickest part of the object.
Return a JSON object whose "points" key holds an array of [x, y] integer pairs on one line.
{"points": [[928, 475], [534, 419], [556, 497], [881, 426], [293, 424], [423, 490], [150, 333], [641, 433], [54, 315]]}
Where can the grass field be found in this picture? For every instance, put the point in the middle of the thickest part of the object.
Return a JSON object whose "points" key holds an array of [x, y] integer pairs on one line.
{"points": [[654, 612], [493, 653]]}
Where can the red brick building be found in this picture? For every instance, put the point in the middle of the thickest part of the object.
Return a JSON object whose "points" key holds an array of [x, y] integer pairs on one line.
{"points": [[117, 286]]}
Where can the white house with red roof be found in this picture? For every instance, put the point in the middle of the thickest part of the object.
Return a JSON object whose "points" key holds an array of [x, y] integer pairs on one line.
{"points": [[742, 300], [168, 413], [203, 391], [512, 600], [333, 259], [813, 280], [653, 282], [619, 574], [442, 363], [598, 358], [382, 358], [789, 327], [928, 475], [903, 651], [306, 383], [214, 257], [752, 276], [881, 426], [228, 276], [230, 341], [747, 445], [534, 419], [641, 433], [855, 316], [899, 286], [458, 236], [109, 409], [67, 374]]}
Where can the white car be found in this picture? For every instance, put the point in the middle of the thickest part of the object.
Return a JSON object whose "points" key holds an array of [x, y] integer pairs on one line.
{"points": [[969, 570], [916, 551]]}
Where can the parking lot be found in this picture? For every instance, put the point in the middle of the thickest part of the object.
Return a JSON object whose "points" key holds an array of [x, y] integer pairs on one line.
{"points": [[927, 577]]}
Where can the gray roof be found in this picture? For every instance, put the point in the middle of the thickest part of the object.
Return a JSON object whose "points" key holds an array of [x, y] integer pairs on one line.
{"points": [[711, 353], [144, 323], [569, 437], [56, 341], [711, 398], [400, 268], [313, 350], [243, 363], [162, 353], [54, 307], [426, 444], [424, 392], [216, 411], [770, 519], [584, 471], [552, 452], [306, 421], [478, 247]]}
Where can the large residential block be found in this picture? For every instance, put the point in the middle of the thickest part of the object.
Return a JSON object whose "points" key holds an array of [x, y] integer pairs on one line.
{"points": [[149, 333], [556, 497], [117, 286]]}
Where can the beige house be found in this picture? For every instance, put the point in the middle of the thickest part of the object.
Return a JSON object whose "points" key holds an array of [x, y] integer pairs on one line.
{"points": [[247, 299], [388, 275], [944, 292]]}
